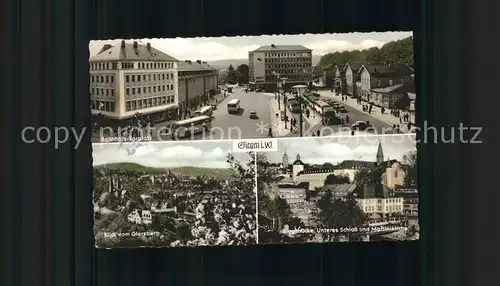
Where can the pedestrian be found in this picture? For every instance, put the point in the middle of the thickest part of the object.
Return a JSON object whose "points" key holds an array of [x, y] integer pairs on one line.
{"points": [[270, 133], [318, 133], [400, 119], [352, 132], [409, 126], [398, 129], [394, 127]]}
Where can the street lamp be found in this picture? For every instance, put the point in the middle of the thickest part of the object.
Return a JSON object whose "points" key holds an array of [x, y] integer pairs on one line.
{"points": [[283, 84]]}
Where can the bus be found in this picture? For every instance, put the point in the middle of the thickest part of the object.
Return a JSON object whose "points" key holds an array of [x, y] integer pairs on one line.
{"points": [[233, 106], [205, 110], [191, 126]]}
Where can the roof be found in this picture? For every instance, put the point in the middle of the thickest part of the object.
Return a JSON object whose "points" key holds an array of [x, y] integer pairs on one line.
{"points": [[193, 66], [127, 52], [355, 66], [328, 67], [389, 70], [354, 164], [375, 191], [403, 88], [339, 189], [298, 162], [272, 48]]}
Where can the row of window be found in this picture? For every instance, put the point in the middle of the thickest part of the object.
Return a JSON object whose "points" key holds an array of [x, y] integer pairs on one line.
{"points": [[149, 89], [290, 77], [103, 105], [102, 78], [285, 67], [103, 66], [280, 72], [149, 77], [156, 65], [130, 65], [380, 209], [102, 91], [149, 102], [288, 55], [288, 60]]}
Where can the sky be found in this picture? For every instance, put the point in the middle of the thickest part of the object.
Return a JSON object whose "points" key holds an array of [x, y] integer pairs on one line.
{"points": [[208, 154], [335, 150], [225, 48]]}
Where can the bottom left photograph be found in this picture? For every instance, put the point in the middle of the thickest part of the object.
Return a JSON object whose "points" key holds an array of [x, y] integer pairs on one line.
{"points": [[169, 194]]}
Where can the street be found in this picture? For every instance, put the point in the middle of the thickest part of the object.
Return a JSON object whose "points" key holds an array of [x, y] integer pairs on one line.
{"points": [[237, 126], [354, 115]]}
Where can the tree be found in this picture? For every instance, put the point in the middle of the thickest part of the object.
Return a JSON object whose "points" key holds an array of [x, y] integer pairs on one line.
{"points": [[339, 213], [367, 177], [242, 71], [410, 167], [333, 179], [395, 52], [232, 75]]}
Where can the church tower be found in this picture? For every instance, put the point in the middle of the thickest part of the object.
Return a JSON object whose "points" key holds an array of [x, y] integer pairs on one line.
{"points": [[380, 154], [285, 161]]}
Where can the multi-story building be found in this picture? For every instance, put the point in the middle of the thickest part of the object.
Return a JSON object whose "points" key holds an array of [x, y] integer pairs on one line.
{"points": [[133, 80], [269, 64], [353, 79], [385, 77], [380, 200], [197, 83]]}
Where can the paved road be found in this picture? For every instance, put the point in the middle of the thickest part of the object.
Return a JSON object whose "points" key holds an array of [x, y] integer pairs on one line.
{"points": [[237, 126], [381, 127]]}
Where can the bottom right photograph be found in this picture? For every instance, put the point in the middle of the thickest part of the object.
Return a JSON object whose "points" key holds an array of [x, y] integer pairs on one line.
{"points": [[338, 189]]}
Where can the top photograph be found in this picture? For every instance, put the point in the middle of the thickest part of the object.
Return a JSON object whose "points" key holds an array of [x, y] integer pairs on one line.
{"points": [[252, 87]]}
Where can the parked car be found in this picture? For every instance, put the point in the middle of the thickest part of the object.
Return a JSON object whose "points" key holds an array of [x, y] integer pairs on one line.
{"points": [[253, 114], [342, 109], [361, 125]]}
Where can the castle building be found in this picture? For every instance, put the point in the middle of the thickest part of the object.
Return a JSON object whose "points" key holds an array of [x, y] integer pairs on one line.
{"points": [[316, 176]]}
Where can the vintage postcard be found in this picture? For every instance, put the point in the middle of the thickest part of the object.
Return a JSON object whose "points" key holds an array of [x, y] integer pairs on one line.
{"points": [[251, 87], [171, 194], [333, 189]]}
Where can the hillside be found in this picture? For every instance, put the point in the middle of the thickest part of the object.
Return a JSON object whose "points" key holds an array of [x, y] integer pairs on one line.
{"points": [[400, 51], [192, 171]]}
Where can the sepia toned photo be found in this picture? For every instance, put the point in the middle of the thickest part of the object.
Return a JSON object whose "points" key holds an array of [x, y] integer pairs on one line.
{"points": [[336, 189], [173, 194], [251, 87]]}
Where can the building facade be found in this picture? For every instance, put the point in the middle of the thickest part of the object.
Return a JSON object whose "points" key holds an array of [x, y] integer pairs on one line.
{"points": [[339, 79], [380, 76], [131, 79], [269, 64], [197, 84], [353, 79]]}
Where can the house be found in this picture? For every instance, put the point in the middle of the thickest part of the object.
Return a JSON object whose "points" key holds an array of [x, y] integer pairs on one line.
{"points": [[140, 217], [379, 76], [353, 78], [393, 96], [328, 75], [293, 194], [394, 175], [379, 200], [410, 201], [339, 79]]}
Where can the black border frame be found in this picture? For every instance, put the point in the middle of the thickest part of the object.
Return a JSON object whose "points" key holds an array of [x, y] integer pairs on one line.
{"points": [[46, 211]]}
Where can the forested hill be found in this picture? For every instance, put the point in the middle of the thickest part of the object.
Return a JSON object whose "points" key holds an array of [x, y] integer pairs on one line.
{"points": [[400, 51]]}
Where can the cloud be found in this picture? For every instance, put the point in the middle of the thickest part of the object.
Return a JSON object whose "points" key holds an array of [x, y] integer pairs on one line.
{"points": [[159, 155], [226, 48]]}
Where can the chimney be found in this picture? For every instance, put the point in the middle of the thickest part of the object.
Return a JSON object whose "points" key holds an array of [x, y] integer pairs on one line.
{"points": [[273, 46], [123, 44], [148, 45], [187, 61], [198, 61], [135, 45]]}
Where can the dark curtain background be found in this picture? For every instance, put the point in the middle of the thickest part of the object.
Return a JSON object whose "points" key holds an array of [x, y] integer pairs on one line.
{"points": [[45, 194]]}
